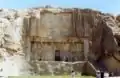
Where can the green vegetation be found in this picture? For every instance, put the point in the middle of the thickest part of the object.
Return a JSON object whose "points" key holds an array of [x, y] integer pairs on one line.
{"points": [[50, 77]]}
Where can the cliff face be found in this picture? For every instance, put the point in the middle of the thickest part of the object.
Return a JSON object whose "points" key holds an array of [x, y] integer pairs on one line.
{"points": [[19, 28], [11, 50]]}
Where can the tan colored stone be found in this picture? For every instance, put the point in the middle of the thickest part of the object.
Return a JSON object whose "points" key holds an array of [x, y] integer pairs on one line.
{"points": [[51, 29]]}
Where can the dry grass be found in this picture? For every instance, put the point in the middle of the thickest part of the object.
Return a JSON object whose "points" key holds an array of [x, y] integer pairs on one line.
{"points": [[50, 77]]}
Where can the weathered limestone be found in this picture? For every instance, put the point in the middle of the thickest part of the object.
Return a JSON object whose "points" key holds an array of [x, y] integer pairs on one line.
{"points": [[38, 32], [86, 48], [46, 51], [50, 28], [11, 45], [57, 68]]}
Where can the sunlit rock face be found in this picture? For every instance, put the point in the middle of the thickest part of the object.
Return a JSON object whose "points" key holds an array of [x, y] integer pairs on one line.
{"points": [[32, 34], [13, 63]]}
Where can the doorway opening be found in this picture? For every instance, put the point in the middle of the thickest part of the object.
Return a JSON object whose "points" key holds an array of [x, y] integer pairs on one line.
{"points": [[57, 55]]}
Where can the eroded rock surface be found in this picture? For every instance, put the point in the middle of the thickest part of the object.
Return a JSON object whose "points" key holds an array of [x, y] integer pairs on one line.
{"points": [[18, 28], [57, 68], [12, 61]]}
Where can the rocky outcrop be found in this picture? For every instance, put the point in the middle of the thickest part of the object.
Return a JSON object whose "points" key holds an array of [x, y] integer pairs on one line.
{"points": [[11, 50], [99, 28], [14, 65], [51, 29]]}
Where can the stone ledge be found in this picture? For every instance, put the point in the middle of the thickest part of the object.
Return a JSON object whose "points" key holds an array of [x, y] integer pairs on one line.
{"points": [[57, 68]]}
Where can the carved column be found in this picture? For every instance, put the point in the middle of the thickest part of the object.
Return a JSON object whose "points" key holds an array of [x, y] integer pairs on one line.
{"points": [[28, 50], [26, 38], [86, 48]]}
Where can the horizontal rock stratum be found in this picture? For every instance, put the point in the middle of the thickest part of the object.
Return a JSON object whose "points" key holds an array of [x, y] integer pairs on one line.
{"points": [[33, 34]]}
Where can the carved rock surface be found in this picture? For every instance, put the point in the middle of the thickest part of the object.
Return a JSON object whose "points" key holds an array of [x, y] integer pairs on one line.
{"points": [[57, 68], [19, 27]]}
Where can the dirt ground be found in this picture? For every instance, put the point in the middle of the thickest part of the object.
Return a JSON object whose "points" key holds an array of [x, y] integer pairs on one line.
{"points": [[50, 77]]}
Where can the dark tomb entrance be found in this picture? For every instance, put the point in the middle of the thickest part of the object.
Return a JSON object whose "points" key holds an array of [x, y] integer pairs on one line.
{"points": [[57, 55]]}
